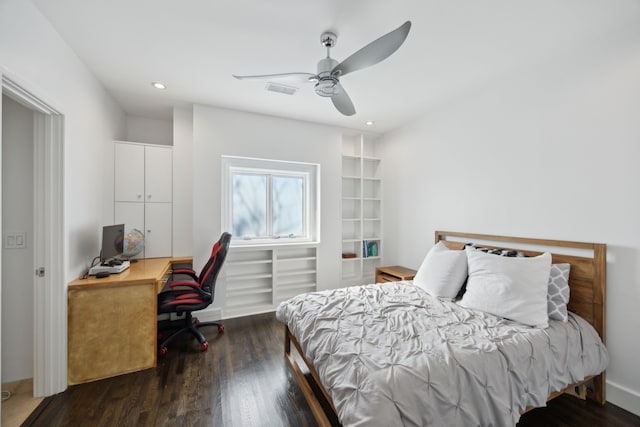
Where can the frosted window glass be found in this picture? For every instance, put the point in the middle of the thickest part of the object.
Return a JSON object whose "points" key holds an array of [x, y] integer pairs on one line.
{"points": [[249, 205], [287, 205]]}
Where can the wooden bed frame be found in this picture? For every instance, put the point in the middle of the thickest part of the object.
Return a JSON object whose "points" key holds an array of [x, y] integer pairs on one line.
{"points": [[587, 281]]}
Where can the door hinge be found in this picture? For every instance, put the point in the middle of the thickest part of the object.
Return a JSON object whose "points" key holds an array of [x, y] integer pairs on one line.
{"points": [[40, 272]]}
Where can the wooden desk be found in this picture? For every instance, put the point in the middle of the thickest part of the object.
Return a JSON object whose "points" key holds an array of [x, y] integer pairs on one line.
{"points": [[112, 322]]}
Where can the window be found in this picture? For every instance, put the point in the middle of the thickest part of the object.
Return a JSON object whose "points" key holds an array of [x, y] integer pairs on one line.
{"points": [[269, 201]]}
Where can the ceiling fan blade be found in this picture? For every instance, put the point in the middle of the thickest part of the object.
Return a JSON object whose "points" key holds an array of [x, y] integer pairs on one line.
{"points": [[375, 51], [342, 101], [299, 77]]}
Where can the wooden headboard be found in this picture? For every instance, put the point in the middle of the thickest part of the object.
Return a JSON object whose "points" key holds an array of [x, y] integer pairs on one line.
{"points": [[587, 278]]}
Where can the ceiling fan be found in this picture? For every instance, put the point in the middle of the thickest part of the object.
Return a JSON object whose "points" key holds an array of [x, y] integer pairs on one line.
{"points": [[327, 79]]}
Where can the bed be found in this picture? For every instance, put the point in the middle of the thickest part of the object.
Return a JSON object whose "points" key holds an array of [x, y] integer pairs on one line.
{"points": [[392, 354]]}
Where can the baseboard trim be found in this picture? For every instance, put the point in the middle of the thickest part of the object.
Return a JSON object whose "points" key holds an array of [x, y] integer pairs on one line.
{"points": [[208, 315], [623, 397], [202, 315]]}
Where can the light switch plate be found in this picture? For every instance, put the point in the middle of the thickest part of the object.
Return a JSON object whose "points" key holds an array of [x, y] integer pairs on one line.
{"points": [[15, 240]]}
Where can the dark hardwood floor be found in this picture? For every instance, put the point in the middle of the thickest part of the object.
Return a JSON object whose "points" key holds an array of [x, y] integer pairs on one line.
{"points": [[242, 380]]}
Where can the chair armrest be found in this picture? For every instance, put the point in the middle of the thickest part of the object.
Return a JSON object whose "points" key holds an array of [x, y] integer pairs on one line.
{"points": [[184, 283], [185, 288], [185, 271]]}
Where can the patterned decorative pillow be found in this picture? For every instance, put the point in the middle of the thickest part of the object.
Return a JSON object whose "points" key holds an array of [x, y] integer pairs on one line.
{"points": [[558, 292], [501, 252]]}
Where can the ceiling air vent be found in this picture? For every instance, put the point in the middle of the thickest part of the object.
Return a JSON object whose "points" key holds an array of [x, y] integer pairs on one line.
{"points": [[276, 87]]}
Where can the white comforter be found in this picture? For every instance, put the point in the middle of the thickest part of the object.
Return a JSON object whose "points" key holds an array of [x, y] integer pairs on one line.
{"points": [[390, 354]]}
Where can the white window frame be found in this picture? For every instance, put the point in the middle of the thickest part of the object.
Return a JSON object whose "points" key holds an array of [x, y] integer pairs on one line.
{"points": [[310, 172]]}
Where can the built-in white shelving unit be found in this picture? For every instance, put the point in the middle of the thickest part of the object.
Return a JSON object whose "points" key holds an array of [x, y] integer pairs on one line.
{"points": [[258, 279], [361, 209]]}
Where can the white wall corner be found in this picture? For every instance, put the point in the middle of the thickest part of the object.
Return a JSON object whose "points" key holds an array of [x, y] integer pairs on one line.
{"points": [[623, 397], [183, 182]]}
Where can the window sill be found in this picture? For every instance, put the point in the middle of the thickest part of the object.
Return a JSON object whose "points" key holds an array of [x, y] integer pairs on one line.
{"points": [[269, 245]]}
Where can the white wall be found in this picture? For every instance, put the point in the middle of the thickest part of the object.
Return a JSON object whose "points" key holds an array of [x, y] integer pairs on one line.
{"points": [[550, 152], [149, 131], [34, 55], [17, 216], [183, 179], [218, 132]]}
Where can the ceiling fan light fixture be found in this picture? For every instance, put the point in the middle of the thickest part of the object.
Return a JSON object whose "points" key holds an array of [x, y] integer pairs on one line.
{"points": [[327, 87], [158, 85]]}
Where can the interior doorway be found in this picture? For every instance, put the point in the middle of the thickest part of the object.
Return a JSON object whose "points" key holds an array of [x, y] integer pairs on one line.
{"points": [[18, 259], [44, 236]]}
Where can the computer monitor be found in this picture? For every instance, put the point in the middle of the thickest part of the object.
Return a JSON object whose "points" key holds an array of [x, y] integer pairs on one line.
{"points": [[112, 240]]}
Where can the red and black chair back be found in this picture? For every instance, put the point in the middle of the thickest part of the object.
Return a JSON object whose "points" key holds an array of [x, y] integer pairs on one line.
{"points": [[209, 274]]}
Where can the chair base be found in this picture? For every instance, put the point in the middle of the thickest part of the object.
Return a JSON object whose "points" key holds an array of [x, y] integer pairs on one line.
{"points": [[189, 324]]}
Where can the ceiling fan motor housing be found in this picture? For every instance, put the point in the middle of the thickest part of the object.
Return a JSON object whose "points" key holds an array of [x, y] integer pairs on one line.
{"points": [[326, 85]]}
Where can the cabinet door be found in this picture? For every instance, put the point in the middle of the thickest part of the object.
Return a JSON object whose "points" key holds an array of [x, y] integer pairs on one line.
{"points": [[131, 214], [158, 230], [129, 172], [158, 167]]}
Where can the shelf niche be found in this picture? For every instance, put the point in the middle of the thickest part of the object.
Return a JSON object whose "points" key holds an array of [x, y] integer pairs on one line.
{"points": [[361, 208], [258, 279]]}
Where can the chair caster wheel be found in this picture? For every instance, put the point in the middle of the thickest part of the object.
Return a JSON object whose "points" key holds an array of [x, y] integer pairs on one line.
{"points": [[221, 329], [162, 351], [204, 346]]}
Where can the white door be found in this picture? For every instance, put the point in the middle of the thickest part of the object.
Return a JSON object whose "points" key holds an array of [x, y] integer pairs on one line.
{"points": [[158, 169], [129, 172], [157, 230], [18, 245], [49, 307], [131, 214]]}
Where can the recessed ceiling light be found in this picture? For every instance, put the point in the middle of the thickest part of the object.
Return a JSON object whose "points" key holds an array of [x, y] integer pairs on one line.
{"points": [[369, 122], [158, 85]]}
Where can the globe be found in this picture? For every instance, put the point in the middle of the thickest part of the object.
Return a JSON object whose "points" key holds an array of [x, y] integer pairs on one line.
{"points": [[133, 243]]}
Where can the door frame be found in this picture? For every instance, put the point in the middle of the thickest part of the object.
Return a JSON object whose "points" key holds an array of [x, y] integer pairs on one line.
{"points": [[50, 302]]}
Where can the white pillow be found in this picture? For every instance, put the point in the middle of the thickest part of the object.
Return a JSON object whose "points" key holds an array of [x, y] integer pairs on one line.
{"points": [[442, 272], [510, 287]]}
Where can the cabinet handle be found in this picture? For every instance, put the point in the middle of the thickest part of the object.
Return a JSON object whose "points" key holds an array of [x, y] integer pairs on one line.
{"points": [[139, 196], [149, 196], [148, 231]]}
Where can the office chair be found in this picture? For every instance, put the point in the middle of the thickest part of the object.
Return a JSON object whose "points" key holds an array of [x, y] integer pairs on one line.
{"points": [[187, 296]]}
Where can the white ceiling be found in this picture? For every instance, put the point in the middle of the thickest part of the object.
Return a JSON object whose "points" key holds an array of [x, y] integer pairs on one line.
{"points": [[194, 46]]}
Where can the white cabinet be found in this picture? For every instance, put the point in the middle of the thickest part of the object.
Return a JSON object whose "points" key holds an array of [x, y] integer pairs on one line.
{"points": [[143, 194], [143, 173], [158, 174], [130, 214], [129, 173], [157, 230], [361, 209]]}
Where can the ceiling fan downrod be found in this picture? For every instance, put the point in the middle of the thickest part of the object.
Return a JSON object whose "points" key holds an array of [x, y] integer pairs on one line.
{"points": [[326, 85]]}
